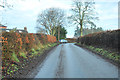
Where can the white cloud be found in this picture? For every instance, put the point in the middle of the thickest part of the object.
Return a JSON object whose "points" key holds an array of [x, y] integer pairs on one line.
{"points": [[110, 17], [106, 0], [99, 0], [70, 36], [40, 5]]}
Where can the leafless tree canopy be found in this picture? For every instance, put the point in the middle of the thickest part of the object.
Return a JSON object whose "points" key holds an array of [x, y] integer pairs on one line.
{"points": [[49, 19], [83, 14]]}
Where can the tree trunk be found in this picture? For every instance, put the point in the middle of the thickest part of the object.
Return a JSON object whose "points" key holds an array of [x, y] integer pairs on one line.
{"points": [[51, 32], [58, 33], [54, 31], [81, 31]]}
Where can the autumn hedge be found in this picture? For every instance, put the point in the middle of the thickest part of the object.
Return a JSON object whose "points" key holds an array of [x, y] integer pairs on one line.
{"points": [[109, 39], [13, 42]]}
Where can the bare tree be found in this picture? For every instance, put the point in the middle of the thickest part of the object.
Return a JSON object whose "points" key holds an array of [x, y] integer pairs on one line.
{"points": [[83, 14], [5, 4], [49, 19], [41, 30]]}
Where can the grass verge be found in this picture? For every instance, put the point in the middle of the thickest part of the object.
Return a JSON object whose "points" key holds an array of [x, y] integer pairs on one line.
{"points": [[9, 68], [109, 55]]}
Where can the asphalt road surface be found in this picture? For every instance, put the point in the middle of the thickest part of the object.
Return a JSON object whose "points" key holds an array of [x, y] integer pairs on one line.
{"points": [[71, 61]]}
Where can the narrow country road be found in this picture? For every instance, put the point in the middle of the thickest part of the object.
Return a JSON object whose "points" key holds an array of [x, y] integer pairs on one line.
{"points": [[70, 61]]}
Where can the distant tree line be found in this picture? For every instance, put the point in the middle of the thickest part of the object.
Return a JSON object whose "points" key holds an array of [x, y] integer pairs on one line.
{"points": [[87, 31]]}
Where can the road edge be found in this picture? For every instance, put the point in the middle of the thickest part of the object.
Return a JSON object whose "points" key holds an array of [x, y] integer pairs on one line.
{"points": [[107, 59], [25, 72]]}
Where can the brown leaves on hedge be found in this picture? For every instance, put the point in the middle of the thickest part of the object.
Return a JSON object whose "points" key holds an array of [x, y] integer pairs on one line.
{"points": [[103, 39], [15, 42]]}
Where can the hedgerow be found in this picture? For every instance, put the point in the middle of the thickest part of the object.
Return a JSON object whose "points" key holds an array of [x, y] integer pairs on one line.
{"points": [[21, 46], [13, 42], [104, 43], [109, 39]]}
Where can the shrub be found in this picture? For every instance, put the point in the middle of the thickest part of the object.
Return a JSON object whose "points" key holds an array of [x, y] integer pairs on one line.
{"points": [[51, 39], [16, 44], [42, 38], [107, 39], [14, 57], [23, 54]]}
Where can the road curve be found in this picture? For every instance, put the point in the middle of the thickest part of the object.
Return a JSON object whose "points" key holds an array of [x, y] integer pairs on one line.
{"points": [[70, 61]]}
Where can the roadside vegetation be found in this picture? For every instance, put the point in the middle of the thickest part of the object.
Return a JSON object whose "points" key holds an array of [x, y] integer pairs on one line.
{"points": [[114, 56], [87, 31], [19, 49], [103, 43]]}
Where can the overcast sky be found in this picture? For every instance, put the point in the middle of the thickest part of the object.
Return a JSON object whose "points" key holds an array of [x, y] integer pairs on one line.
{"points": [[25, 12]]}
